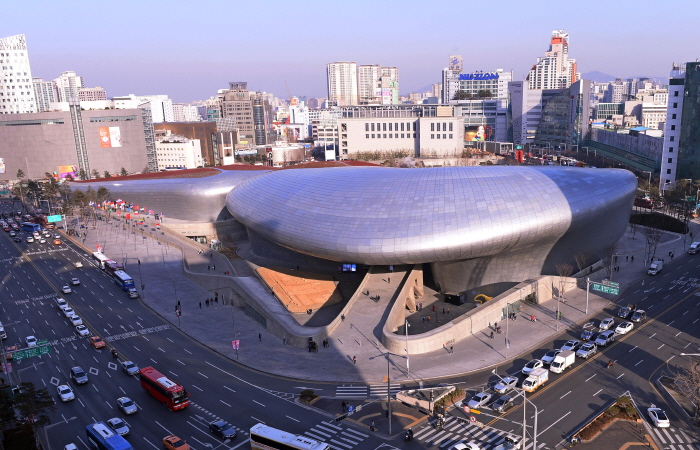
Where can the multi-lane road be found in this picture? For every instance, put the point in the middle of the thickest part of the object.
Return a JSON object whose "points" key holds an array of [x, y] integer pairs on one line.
{"points": [[31, 276]]}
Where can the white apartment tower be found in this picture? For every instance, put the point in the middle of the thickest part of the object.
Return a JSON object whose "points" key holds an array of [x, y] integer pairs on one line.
{"points": [[45, 93], [16, 87], [342, 83], [69, 85], [555, 70]]}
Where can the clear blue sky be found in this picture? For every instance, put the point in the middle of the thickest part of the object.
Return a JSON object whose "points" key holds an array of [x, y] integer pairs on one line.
{"points": [[189, 49]]}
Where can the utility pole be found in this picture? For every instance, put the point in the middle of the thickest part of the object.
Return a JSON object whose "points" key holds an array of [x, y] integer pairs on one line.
{"points": [[388, 391]]}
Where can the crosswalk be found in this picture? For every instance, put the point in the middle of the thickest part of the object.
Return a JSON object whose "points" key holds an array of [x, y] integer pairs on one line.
{"points": [[363, 391], [455, 431], [337, 437], [673, 438]]}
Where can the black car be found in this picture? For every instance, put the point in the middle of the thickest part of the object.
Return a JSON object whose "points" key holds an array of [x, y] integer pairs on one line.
{"points": [[18, 239], [78, 375], [222, 429], [588, 335]]}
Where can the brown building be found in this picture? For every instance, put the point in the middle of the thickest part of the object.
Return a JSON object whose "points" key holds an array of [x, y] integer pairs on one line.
{"points": [[215, 144], [237, 103]]}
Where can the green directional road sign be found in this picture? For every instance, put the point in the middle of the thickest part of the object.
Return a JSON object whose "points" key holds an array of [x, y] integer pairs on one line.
{"points": [[29, 352], [605, 289], [56, 218]]}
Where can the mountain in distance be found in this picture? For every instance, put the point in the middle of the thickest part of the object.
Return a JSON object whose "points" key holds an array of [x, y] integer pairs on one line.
{"points": [[598, 77]]}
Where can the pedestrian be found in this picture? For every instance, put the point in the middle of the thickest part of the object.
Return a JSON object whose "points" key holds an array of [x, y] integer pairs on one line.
{"points": [[344, 405], [388, 279], [208, 267], [206, 302], [342, 317], [260, 337], [211, 254], [200, 304], [354, 360], [451, 349], [632, 258], [433, 308], [213, 267], [284, 341], [423, 319], [627, 258], [443, 310], [491, 335], [428, 319], [448, 310], [669, 253], [372, 426], [391, 268]]}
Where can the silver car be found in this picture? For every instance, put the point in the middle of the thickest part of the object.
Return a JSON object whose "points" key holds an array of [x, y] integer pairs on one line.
{"points": [[505, 385], [119, 426], [479, 400], [130, 368], [127, 405]]}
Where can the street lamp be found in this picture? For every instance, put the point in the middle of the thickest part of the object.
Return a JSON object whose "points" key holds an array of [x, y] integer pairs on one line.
{"points": [[525, 399], [408, 366], [649, 172]]}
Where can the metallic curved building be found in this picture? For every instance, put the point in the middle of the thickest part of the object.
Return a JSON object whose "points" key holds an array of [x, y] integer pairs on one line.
{"points": [[475, 225]]}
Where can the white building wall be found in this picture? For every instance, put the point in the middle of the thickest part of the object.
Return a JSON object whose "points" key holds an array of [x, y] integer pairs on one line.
{"points": [[16, 86], [672, 133], [342, 83], [69, 85], [179, 155]]}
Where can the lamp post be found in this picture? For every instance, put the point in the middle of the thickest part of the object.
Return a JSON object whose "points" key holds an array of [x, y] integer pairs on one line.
{"points": [[408, 366], [525, 399]]}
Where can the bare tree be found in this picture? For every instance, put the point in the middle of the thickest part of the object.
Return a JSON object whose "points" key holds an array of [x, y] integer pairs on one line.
{"points": [[581, 260], [653, 236], [564, 271], [688, 380]]}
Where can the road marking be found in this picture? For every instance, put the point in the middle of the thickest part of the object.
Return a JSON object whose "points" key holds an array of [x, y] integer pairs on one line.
{"points": [[187, 351], [152, 444], [197, 388], [670, 322], [258, 420], [292, 418], [226, 387], [695, 320], [259, 403], [202, 375], [661, 346], [244, 442], [652, 335], [632, 348], [225, 403], [686, 345], [620, 376], [554, 423], [559, 397], [677, 334], [638, 363], [180, 362]]}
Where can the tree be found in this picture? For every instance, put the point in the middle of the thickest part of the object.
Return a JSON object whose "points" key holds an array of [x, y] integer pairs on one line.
{"points": [[82, 175], [146, 170], [123, 172], [581, 260], [462, 95], [484, 93], [69, 177], [33, 191], [7, 410], [102, 194], [95, 173], [20, 174], [688, 381], [34, 404], [107, 174]]}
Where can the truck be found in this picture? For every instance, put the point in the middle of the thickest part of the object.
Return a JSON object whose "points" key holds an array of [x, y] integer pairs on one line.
{"points": [[655, 267], [562, 361], [537, 378], [694, 248]]}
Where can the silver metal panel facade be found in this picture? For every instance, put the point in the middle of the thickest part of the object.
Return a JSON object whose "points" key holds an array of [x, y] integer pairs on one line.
{"points": [[399, 216], [188, 199]]}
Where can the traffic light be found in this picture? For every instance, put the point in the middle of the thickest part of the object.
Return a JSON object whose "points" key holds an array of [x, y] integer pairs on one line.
{"points": [[341, 417]]}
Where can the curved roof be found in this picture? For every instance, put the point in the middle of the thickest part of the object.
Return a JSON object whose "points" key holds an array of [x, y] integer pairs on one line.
{"points": [[375, 215]]}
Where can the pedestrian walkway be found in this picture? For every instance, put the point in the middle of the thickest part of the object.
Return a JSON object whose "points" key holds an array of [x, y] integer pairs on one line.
{"points": [[162, 273], [365, 391], [674, 438], [338, 437]]}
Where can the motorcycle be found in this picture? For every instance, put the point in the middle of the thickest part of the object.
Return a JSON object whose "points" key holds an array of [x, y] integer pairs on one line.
{"points": [[114, 353], [409, 435]]}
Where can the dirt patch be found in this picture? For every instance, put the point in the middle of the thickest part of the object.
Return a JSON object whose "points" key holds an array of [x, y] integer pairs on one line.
{"points": [[301, 291], [622, 409], [230, 253]]}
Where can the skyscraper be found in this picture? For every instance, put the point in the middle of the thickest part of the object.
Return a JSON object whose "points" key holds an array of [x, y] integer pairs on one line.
{"points": [[45, 93], [16, 87], [69, 85], [237, 103], [342, 83], [555, 70]]}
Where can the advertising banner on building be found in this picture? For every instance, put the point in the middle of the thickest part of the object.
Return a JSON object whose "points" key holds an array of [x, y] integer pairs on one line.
{"points": [[2, 165], [64, 171], [110, 137], [477, 133]]}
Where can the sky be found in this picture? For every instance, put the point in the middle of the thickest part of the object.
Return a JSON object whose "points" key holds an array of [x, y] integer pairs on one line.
{"points": [[190, 49]]}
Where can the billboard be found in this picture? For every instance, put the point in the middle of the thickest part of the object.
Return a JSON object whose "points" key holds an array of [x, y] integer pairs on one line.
{"points": [[110, 137], [64, 171], [2, 165], [477, 133]]}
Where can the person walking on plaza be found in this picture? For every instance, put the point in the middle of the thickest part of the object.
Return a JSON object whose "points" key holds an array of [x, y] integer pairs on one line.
{"points": [[260, 337], [354, 360], [451, 348], [491, 335], [200, 304]]}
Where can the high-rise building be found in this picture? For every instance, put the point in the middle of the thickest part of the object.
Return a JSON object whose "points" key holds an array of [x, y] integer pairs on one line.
{"points": [[92, 94], [69, 85], [45, 93], [342, 83], [681, 153], [185, 113], [161, 105], [16, 87], [236, 103], [555, 70], [616, 92]]}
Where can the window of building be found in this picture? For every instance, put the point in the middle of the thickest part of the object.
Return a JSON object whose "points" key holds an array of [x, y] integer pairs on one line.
{"points": [[673, 127], [384, 135], [673, 116], [675, 94], [366, 126], [450, 127], [444, 126], [670, 160], [444, 136], [402, 126], [438, 136], [401, 135], [675, 105], [432, 136], [384, 127], [366, 136], [391, 126], [673, 138], [432, 127], [379, 126], [670, 149], [668, 171], [372, 128], [450, 135]]}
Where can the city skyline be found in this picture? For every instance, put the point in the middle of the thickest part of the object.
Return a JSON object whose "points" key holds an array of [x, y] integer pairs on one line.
{"points": [[178, 52]]}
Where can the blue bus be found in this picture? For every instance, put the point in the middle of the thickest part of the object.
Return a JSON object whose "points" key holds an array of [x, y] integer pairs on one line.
{"points": [[31, 227], [101, 437], [123, 280]]}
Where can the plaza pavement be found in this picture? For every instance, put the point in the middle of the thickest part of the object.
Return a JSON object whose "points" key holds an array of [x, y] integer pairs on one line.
{"points": [[162, 272]]}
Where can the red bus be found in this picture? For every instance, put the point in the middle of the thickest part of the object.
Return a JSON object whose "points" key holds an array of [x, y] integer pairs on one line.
{"points": [[112, 266], [163, 389]]}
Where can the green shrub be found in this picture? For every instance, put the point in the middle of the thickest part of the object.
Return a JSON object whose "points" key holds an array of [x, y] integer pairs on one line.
{"points": [[614, 410]]}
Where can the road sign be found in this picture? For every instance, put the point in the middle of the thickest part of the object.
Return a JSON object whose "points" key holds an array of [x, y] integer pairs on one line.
{"points": [[236, 344], [611, 283], [29, 352], [467, 409], [605, 289], [472, 419], [44, 342], [54, 218]]}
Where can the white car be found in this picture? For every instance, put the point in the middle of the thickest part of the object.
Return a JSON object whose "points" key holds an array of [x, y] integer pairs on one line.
{"points": [[65, 392], [505, 385], [549, 356], [572, 345], [30, 239], [532, 365], [76, 320], [78, 264], [624, 328], [658, 417], [606, 324], [68, 312], [42, 241], [82, 330], [66, 289], [74, 281], [466, 446], [31, 341], [62, 304], [479, 400]]}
